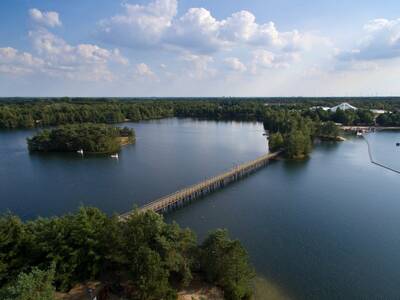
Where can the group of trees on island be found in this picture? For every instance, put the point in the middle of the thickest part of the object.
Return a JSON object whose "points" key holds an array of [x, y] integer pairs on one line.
{"points": [[293, 132], [152, 258], [92, 138]]}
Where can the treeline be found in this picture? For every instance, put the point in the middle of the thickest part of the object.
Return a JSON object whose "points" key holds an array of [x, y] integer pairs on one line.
{"points": [[152, 258], [345, 117], [92, 138], [42, 113], [30, 114]]}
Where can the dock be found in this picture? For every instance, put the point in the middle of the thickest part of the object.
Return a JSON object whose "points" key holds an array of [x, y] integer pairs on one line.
{"points": [[191, 193]]}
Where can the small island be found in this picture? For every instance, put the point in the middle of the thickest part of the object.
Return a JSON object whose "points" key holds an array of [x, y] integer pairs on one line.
{"points": [[88, 138]]}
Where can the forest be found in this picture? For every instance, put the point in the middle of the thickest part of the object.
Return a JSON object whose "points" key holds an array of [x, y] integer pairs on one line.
{"points": [[31, 113], [294, 123], [89, 137], [141, 258]]}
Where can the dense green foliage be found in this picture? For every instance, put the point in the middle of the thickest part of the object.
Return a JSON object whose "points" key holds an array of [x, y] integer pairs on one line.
{"points": [[154, 255], [29, 114], [35, 285], [275, 141], [290, 131], [345, 117], [93, 138], [225, 262], [25, 113], [389, 119], [328, 130], [298, 144]]}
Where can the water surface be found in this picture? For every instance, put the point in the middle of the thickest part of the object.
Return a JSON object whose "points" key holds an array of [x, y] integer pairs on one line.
{"points": [[325, 228], [168, 155]]}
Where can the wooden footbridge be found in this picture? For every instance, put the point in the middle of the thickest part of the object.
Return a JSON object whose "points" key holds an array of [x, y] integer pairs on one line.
{"points": [[188, 194]]}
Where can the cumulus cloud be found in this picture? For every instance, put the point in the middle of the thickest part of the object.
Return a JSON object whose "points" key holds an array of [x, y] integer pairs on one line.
{"points": [[139, 25], [56, 49], [381, 40], [198, 66], [263, 59], [14, 62], [83, 61], [196, 30], [46, 18], [242, 27], [234, 64], [56, 58], [143, 70]]}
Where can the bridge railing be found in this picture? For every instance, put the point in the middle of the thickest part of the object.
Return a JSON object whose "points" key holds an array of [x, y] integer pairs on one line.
{"points": [[176, 196]]}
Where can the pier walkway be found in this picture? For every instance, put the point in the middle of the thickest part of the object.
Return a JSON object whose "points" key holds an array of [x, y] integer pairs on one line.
{"points": [[188, 194]]}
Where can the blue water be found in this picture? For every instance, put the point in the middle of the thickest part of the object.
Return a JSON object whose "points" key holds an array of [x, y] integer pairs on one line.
{"points": [[384, 149], [168, 155], [324, 228]]}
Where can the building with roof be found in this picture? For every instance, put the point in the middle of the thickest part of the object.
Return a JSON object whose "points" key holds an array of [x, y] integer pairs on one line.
{"points": [[343, 106]]}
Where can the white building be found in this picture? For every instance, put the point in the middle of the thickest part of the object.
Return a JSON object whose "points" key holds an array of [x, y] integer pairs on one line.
{"points": [[378, 111], [326, 108], [343, 106]]}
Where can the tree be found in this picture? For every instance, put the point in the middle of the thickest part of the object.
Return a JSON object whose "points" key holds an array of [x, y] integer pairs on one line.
{"points": [[298, 144], [13, 247], [275, 141], [329, 129], [95, 138], [152, 251], [225, 262], [35, 285]]}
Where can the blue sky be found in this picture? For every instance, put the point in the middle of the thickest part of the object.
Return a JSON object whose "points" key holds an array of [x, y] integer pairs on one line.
{"points": [[199, 48]]}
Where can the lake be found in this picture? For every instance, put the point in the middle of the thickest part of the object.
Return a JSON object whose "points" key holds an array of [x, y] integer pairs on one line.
{"points": [[324, 228]]}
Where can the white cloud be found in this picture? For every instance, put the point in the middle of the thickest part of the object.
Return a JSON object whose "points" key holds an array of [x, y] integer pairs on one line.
{"points": [[143, 70], [241, 27], [199, 66], [381, 40], [263, 59], [57, 50], [16, 63], [140, 25], [234, 64], [196, 30], [46, 18], [56, 58]]}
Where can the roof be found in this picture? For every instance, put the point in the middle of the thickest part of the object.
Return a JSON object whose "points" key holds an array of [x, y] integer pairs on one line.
{"points": [[320, 107], [378, 111], [343, 106]]}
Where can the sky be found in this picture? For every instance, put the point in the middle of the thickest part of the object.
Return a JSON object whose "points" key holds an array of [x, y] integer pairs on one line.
{"points": [[199, 48]]}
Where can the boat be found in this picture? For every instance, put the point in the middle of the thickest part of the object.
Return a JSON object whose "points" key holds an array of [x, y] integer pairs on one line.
{"points": [[359, 133], [80, 151], [114, 155]]}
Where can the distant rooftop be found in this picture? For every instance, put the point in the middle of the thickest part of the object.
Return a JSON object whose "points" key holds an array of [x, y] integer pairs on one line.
{"points": [[343, 106]]}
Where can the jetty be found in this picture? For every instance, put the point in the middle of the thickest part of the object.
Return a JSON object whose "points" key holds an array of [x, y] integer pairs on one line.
{"points": [[191, 193], [368, 128]]}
